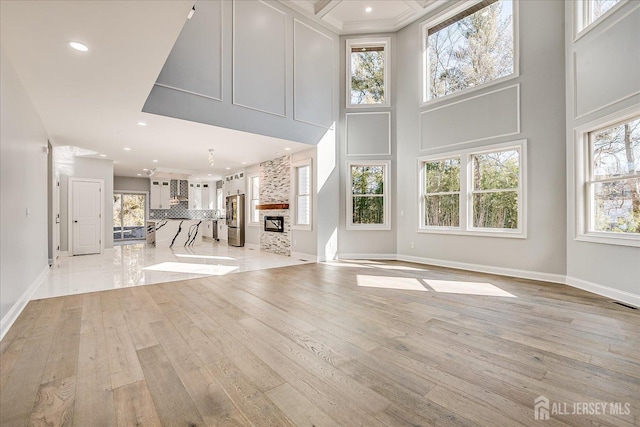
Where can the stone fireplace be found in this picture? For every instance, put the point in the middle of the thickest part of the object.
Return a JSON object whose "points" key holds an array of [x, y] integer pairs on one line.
{"points": [[275, 188]]}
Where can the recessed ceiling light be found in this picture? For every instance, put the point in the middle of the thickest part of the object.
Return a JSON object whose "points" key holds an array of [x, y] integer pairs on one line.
{"points": [[244, 163], [79, 46], [127, 149], [145, 169], [103, 155], [228, 168], [139, 174], [208, 174], [142, 124], [368, 9], [287, 149], [154, 161]]}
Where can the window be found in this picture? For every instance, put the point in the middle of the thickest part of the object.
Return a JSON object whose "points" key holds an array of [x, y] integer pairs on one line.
{"points": [[254, 213], [474, 191], [302, 194], [611, 184], [367, 72], [367, 195], [469, 48], [589, 11], [442, 193]]}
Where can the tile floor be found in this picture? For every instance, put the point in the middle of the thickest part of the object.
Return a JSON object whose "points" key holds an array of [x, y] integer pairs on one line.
{"points": [[136, 264]]}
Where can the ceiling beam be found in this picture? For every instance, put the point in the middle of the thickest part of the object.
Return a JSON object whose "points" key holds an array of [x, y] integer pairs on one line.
{"points": [[322, 7]]}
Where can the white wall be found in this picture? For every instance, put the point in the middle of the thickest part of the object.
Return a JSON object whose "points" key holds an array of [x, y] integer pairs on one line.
{"points": [[82, 167], [23, 183], [253, 66], [358, 140], [542, 106], [610, 269]]}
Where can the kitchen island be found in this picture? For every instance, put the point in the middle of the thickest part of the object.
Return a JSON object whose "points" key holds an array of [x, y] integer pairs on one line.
{"points": [[168, 233]]}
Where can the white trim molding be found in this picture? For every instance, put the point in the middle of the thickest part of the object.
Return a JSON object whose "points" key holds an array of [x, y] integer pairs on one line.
{"points": [[12, 315], [605, 291], [346, 133]]}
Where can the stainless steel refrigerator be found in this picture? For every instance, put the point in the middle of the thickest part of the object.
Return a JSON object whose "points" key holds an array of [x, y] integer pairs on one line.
{"points": [[235, 219]]}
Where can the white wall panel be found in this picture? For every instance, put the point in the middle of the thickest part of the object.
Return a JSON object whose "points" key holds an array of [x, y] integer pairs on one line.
{"points": [[259, 68], [492, 114], [312, 75], [195, 62], [612, 57], [368, 133]]}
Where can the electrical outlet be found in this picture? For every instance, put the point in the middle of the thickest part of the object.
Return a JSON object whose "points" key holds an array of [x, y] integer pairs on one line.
{"points": [[413, 245]]}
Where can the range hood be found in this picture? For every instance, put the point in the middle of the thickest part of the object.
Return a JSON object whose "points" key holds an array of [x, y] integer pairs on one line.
{"points": [[177, 198]]}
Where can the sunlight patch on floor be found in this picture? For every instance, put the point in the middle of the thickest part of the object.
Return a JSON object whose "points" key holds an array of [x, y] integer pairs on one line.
{"points": [[388, 282], [469, 288], [181, 267]]}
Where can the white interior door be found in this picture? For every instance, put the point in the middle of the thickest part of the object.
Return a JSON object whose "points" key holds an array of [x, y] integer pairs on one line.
{"points": [[86, 217]]}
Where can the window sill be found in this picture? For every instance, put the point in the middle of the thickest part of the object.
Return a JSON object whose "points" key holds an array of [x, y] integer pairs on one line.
{"points": [[610, 239], [483, 233]]}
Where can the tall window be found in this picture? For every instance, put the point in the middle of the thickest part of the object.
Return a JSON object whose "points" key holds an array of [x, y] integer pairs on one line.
{"points": [[367, 202], [367, 72], [254, 214], [302, 194], [613, 180], [475, 191], [473, 47]]}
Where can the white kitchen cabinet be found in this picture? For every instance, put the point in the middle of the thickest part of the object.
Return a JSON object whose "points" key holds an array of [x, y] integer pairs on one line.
{"points": [[223, 231], [206, 199], [200, 196], [234, 184], [195, 195], [160, 194]]}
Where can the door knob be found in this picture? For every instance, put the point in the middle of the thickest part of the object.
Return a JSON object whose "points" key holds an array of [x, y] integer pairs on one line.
{"points": [[75, 220]]}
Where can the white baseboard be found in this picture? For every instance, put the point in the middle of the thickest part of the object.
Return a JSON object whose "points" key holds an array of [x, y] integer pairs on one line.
{"points": [[12, 315], [308, 257], [500, 271], [391, 257], [605, 291]]}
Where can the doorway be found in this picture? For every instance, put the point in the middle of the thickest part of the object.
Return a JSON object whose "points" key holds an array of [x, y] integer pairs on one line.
{"points": [[129, 216]]}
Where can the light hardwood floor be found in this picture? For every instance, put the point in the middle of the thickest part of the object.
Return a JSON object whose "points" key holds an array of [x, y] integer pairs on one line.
{"points": [[322, 344]]}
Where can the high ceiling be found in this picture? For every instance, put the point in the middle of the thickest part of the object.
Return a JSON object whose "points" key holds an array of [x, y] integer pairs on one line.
{"points": [[93, 100]]}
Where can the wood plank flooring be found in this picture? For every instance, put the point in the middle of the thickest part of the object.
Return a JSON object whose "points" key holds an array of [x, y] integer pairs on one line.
{"points": [[325, 344]]}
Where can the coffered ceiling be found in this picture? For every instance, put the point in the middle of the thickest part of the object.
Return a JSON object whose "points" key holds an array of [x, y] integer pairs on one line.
{"points": [[364, 16]]}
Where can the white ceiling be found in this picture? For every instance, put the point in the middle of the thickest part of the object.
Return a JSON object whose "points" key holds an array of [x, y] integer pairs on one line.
{"points": [[93, 100], [351, 17]]}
